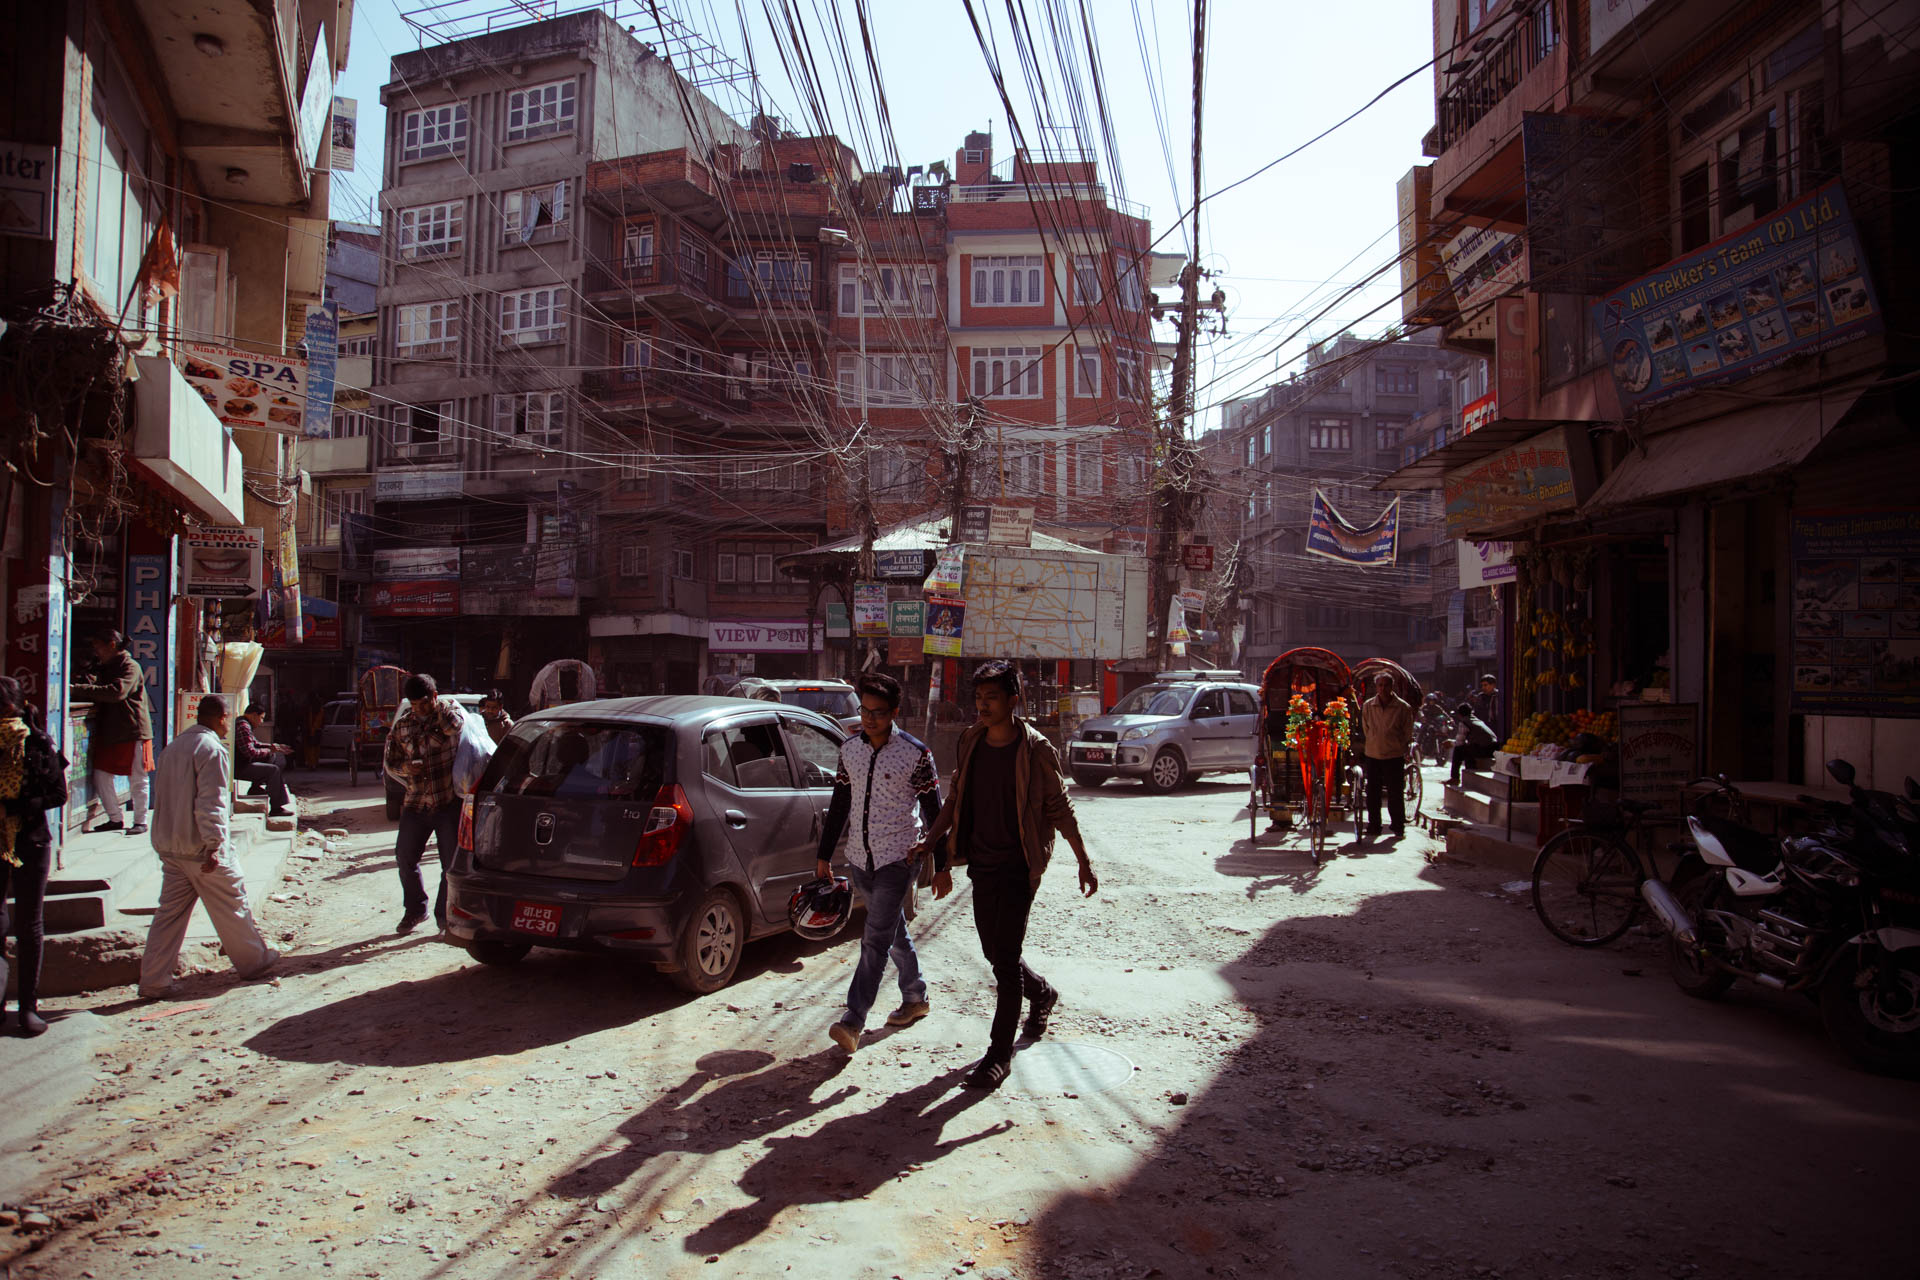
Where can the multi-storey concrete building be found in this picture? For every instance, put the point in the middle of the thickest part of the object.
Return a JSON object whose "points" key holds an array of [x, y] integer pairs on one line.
{"points": [[1337, 426]]}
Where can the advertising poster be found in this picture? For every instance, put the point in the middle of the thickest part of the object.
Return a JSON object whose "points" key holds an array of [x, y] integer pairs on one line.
{"points": [[420, 599], [870, 608], [248, 391], [1536, 478], [900, 564], [1659, 750], [906, 618], [322, 343], [1177, 632], [228, 563], [1856, 612], [949, 574], [946, 620], [1790, 285], [1483, 564], [1482, 264], [290, 583], [345, 134], [417, 564], [1331, 536]]}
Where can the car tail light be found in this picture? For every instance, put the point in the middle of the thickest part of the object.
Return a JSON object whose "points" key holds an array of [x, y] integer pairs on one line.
{"points": [[465, 839], [667, 825]]}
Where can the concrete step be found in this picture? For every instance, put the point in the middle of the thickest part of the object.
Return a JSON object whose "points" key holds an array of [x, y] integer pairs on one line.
{"points": [[1488, 846], [1492, 811]]}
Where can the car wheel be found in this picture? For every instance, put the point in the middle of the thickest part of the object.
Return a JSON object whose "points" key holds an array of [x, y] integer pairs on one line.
{"points": [[1087, 778], [498, 950], [710, 943], [1168, 771]]}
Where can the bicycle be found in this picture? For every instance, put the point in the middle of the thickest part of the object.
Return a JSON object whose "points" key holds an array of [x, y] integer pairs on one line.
{"points": [[1586, 880]]}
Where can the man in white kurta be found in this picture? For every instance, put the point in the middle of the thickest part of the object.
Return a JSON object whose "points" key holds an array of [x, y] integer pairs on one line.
{"points": [[190, 833]]}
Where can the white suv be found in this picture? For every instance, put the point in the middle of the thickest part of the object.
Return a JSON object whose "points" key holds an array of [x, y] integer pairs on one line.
{"points": [[1168, 732]]}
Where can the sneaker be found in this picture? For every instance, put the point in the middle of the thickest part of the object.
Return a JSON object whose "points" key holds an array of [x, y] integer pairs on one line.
{"points": [[111, 826], [159, 993], [909, 1012], [138, 828], [1037, 1015], [265, 966], [410, 921], [989, 1075], [844, 1035]]}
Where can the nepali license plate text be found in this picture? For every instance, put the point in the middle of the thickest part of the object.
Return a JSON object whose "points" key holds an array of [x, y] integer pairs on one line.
{"points": [[536, 917]]}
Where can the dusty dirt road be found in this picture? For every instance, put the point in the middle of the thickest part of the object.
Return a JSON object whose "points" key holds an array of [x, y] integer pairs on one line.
{"points": [[1379, 1068]]}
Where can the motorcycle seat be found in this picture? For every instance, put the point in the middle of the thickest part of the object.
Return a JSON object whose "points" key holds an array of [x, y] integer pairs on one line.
{"points": [[1749, 849]]}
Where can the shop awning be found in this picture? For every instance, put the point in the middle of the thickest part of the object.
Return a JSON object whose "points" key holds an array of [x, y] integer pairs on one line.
{"points": [[1744, 445], [1430, 469]]}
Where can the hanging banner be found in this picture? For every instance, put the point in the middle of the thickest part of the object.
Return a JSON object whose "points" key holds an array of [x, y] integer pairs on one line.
{"points": [[906, 619], [228, 563], [1792, 284], [1856, 612], [949, 572], [946, 619], [245, 390], [1177, 632], [1481, 264], [290, 583], [870, 608], [322, 343], [346, 128], [1331, 536]]}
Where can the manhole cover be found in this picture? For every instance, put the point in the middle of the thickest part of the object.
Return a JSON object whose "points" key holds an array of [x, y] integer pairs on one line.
{"points": [[1061, 1066]]}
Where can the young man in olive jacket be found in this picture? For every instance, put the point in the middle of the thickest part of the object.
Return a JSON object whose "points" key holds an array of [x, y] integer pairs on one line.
{"points": [[1006, 803]]}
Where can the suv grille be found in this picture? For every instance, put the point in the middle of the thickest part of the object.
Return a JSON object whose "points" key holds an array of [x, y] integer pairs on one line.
{"points": [[1099, 735]]}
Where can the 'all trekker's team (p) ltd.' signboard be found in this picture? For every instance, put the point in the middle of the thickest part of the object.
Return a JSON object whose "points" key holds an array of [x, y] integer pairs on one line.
{"points": [[1791, 284]]}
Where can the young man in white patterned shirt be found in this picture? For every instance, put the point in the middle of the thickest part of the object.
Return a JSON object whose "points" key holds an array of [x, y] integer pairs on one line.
{"points": [[886, 792]]}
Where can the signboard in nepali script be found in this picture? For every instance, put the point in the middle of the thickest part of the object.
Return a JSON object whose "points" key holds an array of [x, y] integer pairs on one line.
{"points": [[1659, 750], [1538, 477], [1856, 612], [906, 618], [1330, 535], [1789, 285]]}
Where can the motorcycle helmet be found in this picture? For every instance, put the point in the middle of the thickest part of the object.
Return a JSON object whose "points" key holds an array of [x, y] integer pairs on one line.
{"points": [[820, 909]]}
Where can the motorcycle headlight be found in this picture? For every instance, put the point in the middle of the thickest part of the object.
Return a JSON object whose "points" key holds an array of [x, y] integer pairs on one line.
{"points": [[1138, 731]]}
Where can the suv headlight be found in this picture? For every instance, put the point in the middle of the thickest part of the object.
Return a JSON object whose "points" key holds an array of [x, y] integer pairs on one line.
{"points": [[1138, 731]]}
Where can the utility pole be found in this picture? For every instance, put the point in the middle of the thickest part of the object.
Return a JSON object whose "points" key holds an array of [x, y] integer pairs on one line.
{"points": [[1174, 499]]}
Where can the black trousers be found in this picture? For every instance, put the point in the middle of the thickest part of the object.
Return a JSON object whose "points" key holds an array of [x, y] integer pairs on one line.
{"points": [[27, 885], [1464, 755], [1388, 777], [269, 775], [1002, 898]]}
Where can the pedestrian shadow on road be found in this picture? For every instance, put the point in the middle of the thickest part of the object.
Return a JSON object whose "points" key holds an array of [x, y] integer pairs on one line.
{"points": [[848, 1158], [752, 1103]]}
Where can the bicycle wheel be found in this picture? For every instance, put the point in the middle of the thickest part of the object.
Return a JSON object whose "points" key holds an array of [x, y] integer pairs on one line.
{"points": [[1416, 789], [1586, 887]]}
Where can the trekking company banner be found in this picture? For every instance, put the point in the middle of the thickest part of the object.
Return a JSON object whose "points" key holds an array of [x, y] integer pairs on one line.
{"points": [[1790, 285], [1330, 535], [1856, 612]]}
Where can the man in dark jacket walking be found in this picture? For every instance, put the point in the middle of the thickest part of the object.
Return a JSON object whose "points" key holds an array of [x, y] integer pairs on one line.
{"points": [[119, 729], [1000, 817], [33, 779]]}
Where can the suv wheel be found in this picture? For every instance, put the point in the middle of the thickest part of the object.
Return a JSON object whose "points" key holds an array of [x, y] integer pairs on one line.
{"points": [[1168, 771], [710, 942], [498, 950]]}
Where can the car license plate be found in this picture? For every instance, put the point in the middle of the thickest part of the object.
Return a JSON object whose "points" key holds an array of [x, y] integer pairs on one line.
{"points": [[1094, 755], [537, 918]]}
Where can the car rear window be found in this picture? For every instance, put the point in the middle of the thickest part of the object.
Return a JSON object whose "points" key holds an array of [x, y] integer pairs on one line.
{"points": [[583, 760], [828, 702]]}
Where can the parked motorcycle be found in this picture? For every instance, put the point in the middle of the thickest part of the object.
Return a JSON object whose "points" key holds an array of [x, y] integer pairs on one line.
{"points": [[1833, 914]]}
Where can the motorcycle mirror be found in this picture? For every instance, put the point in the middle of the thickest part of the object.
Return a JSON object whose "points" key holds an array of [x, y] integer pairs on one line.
{"points": [[1843, 773]]}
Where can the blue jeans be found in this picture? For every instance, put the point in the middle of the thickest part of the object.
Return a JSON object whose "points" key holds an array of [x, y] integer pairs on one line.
{"points": [[885, 890], [410, 846]]}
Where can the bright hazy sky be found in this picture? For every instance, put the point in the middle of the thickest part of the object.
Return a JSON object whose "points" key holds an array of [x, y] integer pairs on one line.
{"points": [[1277, 73]]}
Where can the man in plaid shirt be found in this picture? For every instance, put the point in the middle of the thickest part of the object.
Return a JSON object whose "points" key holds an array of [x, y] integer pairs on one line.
{"points": [[420, 750]]}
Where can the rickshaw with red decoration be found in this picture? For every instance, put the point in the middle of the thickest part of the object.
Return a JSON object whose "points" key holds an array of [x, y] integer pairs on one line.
{"points": [[1307, 713]]}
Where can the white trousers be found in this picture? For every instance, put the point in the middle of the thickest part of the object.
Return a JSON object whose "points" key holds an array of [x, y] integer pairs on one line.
{"points": [[107, 787], [184, 882]]}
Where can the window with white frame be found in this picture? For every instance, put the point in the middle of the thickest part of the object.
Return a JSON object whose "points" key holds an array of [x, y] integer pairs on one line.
{"points": [[636, 353], [431, 230], [888, 289], [123, 209], [338, 504], [1128, 380], [533, 315], [890, 474], [784, 277], [683, 562], [633, 564], [1010, 373], [1009, 281], [1132, 473], [637, 247], [1132, 296], [1387, 435], [529, 209], [891, 379], [349, 424], [540, 110], [423, 428], [1086, 279], [1086, 372], [1026, 466], [361, 345], [725, 566], [633, 468], [1089, 468], [426, 328], [1248, 458], [433, 131], [974, 155], [529, 415]]}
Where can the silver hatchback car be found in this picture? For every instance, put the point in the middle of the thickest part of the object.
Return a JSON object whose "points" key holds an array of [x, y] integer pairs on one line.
{"points": [[670, 830], [1168, 732]]}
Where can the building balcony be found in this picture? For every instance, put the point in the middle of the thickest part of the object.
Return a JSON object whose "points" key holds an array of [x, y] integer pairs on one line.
{"points": [[1045, 193], [673, 181], [183, 444], [669, 397], [333, 456], [1518, 67]]}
